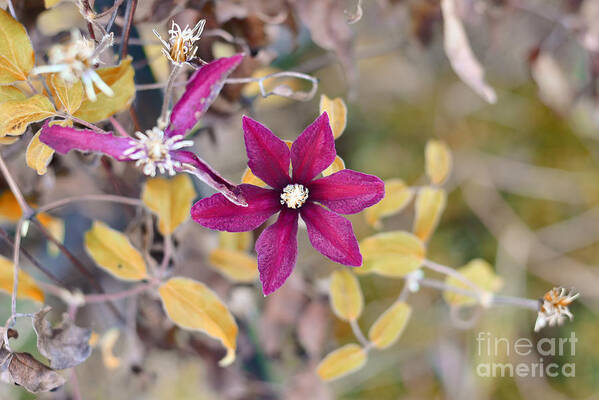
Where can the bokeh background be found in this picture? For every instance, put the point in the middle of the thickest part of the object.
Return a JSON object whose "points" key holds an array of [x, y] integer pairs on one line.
{"points": [[523, 195]]}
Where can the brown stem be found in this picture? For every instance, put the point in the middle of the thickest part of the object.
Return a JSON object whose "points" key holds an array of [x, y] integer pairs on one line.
{"points": [[4, 236], [76, 263], [131, 6]]}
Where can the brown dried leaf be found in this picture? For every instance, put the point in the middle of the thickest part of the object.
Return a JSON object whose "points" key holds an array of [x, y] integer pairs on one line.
{"points": [[460, 55], [24, 370], [66, 345]]}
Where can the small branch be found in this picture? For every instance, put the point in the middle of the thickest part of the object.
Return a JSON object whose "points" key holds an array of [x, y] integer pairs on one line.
{"points": [[167, 95], [358, 333], [91, 197], [15, 260], [131, 6], [442, 269], [14, 189], [167, 253], [102, 298], [282, 90], [82, 122], [11, 8]]}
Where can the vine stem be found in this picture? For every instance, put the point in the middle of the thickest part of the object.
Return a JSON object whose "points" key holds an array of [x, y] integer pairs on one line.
{"points": [[14, 188], [101, 298], [11, 9], [167, 253], [82, 122], [91, 197], [445, 270], [358, 333], [167, 93]]}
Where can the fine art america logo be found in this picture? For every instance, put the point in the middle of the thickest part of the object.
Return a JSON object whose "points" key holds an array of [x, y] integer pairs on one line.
{"points": [[536, 358]]}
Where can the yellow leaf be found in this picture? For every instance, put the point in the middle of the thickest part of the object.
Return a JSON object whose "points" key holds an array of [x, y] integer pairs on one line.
{"points": [[430, 204], [393, 254], [170, 200], [16, 53], [56, 227], [113, 252], [438, 161], [11, 93], [28, 289], [8, 140], [336, 166], [10, 211], [342, 361], [397, 196], [236, 265], [15, 115], [345, 295], [337, 111], [236, 241], [107, 343], [389, 326], [192, 305], [120, 80], [51, 3], [67, 96], [251, 179], [38, 154], [480, 273]]}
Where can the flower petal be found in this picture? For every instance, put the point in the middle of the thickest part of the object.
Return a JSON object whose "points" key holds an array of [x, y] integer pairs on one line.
{"points": [[277, 251], [216, 212], [193, 164], [202, 89], [347, 191], [331, 234], [313, 151], [63, 139], [268, 155]]}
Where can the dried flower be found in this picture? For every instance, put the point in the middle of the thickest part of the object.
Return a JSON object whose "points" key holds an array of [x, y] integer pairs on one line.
{"points": [[78, 59], [345, 192], [160, 149], [553, 307], [180, 48]]}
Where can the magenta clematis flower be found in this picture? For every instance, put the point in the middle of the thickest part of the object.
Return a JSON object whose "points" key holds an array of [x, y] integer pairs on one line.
{"points": [[294, 195], [157, 149]]}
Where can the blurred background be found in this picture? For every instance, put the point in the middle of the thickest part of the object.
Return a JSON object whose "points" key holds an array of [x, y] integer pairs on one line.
{"points": [[523, 194]]}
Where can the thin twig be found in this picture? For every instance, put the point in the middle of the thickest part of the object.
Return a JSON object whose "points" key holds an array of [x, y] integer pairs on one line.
{"points": [[167, 94], [358, 333], [11, 9], [130, 12], [91, 197], [102, 298], [14, 188]]}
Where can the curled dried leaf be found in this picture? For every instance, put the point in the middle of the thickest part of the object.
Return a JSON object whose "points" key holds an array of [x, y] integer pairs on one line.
{"points": [[24, 370], [66, 345], [459, 52]]}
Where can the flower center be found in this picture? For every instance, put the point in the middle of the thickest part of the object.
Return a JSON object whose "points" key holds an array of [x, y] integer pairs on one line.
{"points": [[294, 196], [153, 151]]}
